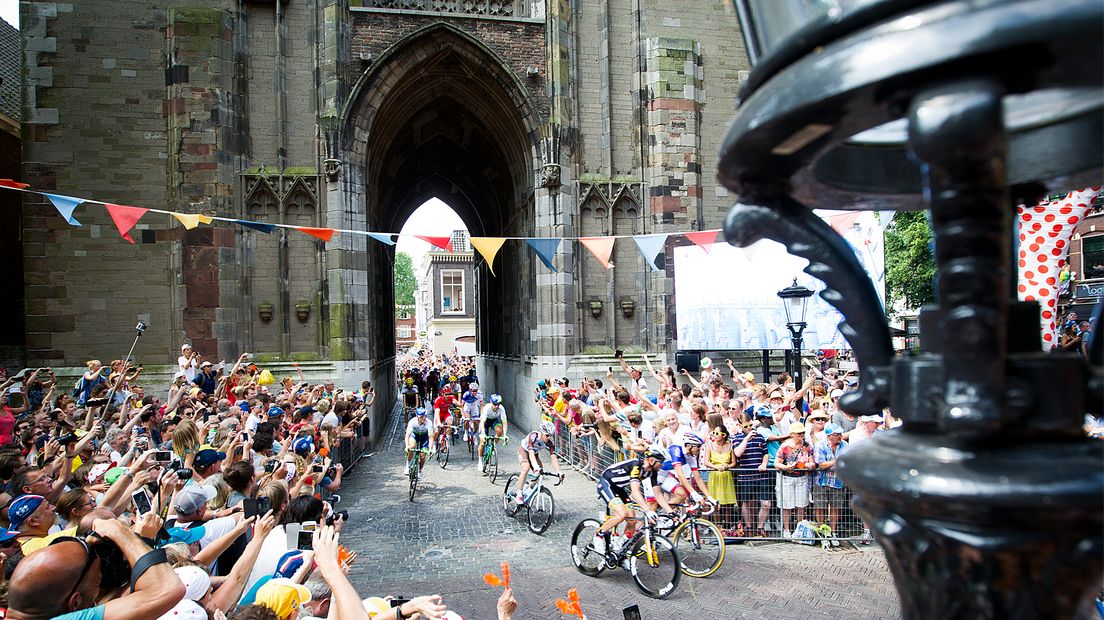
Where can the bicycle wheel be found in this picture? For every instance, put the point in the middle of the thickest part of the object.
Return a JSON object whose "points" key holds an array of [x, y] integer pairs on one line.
{"points": [[471, 446], [413, 473], [657, 576], [542, 508], [701, 547], [492, 467], [508, 503], [583, 554], [443, 451]]}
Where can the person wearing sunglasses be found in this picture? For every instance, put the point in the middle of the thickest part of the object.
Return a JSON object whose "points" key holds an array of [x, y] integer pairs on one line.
{"points": [[74, 568]]}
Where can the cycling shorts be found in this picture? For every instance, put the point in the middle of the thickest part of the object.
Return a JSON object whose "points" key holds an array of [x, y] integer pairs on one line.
{"points": [[610, 495], [489, 425], [670, 483], [421, 441]]}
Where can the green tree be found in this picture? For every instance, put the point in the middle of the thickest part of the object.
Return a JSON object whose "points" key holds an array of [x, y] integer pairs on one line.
{"points": [[405, 282], [909, 264]]}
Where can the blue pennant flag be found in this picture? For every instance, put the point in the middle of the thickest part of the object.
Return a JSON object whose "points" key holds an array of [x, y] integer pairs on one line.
{"points": [[258, 226], [651, 246], [546, 250], [383, 238], [65, 206]]}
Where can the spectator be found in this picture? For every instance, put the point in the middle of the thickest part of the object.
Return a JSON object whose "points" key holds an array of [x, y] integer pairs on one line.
{"points": [[752, 477], [828, 493], [793, 462], [720, 461], [865, 429]]}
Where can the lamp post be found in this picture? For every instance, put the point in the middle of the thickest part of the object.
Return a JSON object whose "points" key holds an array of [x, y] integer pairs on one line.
{"points": [[795, 300], [987, 500]]}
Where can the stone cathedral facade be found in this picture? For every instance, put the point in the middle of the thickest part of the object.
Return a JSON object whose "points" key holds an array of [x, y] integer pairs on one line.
{"points": [[528, 117]]}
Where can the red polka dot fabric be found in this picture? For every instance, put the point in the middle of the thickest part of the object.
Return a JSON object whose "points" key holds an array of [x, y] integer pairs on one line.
{"points": [[1044, 232]]}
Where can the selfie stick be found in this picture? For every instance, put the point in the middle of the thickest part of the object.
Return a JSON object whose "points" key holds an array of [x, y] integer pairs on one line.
{"points": [[141, 327]]}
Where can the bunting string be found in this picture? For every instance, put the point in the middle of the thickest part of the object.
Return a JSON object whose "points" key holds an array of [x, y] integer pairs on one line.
{"points": [[126, 217]]}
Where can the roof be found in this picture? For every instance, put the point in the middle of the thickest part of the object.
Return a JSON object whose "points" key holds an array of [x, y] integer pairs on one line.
{"points": [[10, 63]]}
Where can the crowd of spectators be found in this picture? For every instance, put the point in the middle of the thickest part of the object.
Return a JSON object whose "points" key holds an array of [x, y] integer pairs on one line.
{"points": [[217, 499], [768, 449]]}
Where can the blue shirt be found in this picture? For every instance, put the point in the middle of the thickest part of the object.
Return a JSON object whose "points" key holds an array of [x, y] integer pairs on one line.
{"points": [[92, 613], [822, 453], [749, 462]]}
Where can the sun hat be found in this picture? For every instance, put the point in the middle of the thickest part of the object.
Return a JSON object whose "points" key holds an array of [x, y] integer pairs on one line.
{"points": [[870, 418], [797, 427], [706, 363]]}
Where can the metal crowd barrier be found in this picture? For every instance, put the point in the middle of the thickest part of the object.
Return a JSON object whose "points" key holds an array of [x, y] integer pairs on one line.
{"points": [[759, 497]]}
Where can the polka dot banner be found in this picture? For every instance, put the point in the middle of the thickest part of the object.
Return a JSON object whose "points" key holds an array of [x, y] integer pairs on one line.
{"points": [[1045, 231]]}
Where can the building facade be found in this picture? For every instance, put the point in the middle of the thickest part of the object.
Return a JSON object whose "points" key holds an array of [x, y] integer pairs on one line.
{"points": [[528, 117], [1086, 263], [406, 332], [448, 294]]}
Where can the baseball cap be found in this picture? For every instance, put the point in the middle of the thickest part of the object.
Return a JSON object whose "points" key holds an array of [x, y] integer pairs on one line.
{"points": [[22, 508], [302, 445], [797, 427], [833, 429], [836, 393], [750, 378], [763, 411], [870, 418], [185, 535], [196, 581], [98, 471], [283, 596], [274, 411], [289, 563], [6, 535], [706, 363], [113, 474], [192, 497], [375, 606], [208, 457], [186, 609], [205, 364]]}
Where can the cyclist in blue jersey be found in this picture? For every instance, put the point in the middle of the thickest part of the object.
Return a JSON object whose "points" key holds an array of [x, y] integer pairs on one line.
{"points": [[418, 432]]}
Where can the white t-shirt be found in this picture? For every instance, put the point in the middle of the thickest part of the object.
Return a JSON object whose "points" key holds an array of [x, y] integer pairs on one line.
{"points": [[188, 366], [272, 549], [331, 419]]}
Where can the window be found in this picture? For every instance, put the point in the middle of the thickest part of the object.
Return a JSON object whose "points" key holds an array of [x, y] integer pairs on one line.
{"points": [[1092, 257], [405, 332], [452, 291]]}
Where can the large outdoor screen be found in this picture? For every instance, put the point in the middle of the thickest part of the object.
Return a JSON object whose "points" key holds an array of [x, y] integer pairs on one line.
{"points": [[727, 298]]}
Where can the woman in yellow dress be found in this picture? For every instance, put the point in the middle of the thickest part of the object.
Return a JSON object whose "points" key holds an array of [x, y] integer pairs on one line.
{"points": [[720, 461]]}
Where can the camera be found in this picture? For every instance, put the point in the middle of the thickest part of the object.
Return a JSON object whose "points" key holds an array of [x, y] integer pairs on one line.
{"points": [[114, 568], [344, 514], [66, 439], [140, 327]]}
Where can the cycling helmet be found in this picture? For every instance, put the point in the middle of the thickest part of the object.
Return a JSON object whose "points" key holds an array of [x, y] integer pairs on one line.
{"points": [[655, 453], [409, 381], [692, 439], [446, 390], [473, 386], [548, 428], [420, 412], [496, 399]]}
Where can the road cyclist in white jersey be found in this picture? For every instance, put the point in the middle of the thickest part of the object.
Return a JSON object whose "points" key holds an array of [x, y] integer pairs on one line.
{"points": [[418, 433], [678, 475], [529, 455], [492, 420], [471, 404]]}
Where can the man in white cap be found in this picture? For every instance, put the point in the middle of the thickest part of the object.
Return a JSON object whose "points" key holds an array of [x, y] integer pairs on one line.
{"points": [[188, 362], [867, 426]]}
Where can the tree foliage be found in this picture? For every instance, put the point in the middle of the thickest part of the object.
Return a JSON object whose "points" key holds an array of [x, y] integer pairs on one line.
{"points": [[405, 282], [909, 264]]}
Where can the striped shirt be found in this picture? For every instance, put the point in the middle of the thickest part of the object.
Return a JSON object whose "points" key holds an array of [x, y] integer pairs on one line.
{"points": [[752, 458]]}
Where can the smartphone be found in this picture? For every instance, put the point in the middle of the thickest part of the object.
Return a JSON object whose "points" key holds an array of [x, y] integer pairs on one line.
{"points": [[263, 505], [317, 468], [161, 456], [244, 437], [305, 540], [270, 466], [250, 508], [632, 613], [142, 503]]}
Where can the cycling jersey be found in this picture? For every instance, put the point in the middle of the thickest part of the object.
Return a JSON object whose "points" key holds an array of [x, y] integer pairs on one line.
{"points": [[616, 480], [490, 413], [443, 404], [472, 402], [533, 442], [420, 431]]}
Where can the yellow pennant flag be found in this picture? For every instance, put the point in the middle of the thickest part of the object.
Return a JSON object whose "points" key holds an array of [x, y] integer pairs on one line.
{"points": [[488, 247], [191, 220], [601, 248]]}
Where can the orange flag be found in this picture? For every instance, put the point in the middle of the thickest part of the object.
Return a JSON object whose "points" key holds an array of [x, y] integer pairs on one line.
{"points": [[601, 248], [488, 248], [445, 243], [125, 218], [324, 234], [570, 607], [703, 238]]}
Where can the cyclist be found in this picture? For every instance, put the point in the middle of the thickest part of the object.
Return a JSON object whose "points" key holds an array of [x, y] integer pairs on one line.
{"points": [[418, 431], [494, 420], [472, 403], [623, 482], [529, 455], [679, 472], [442, 409], [409, 393]]}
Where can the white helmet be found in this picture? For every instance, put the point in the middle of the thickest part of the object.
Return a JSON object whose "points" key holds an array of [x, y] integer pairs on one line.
{"points": [[548, 428]]}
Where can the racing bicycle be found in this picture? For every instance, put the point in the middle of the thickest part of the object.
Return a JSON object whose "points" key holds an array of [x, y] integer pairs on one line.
{"points": [[490, 455], [470, 436], [536, 498], [413, 469], [444, 440], [650, 557], [700, 543]]}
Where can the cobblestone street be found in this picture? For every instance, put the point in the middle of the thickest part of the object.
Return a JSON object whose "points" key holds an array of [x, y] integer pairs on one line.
{"points": [[455, 531]]}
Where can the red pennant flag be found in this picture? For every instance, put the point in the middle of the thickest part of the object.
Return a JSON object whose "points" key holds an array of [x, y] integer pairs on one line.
{"points": [[703, 238], [601, 248], [445, 243], [12, 184], [125, 218], [324, 234]]}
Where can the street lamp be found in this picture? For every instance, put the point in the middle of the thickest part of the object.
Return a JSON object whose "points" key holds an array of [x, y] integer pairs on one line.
{"points": [[795, 300]]}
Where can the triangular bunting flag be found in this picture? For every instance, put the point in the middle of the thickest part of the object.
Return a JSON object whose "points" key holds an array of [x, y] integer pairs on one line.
{"points": [[257, 226], [65, 206], [125, 218], [383, 238], [324, 234], [445, 243], [703, 238], [488, 247], [12, 184], [600, 247], [546, 250], [191, 220], [842, 222], [651, 246]]}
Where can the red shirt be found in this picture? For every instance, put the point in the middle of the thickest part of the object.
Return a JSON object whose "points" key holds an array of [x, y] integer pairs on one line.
{"points": [[442, 404]]}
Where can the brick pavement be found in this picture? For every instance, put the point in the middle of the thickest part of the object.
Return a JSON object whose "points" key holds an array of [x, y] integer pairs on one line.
{"points": [[455, 531]]}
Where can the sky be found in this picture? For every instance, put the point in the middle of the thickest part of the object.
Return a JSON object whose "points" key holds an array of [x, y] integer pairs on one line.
{"points": [[9, 10], [432, 219]]}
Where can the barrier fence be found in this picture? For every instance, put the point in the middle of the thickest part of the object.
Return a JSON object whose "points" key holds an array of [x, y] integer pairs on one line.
{"points": [[754, 505]]}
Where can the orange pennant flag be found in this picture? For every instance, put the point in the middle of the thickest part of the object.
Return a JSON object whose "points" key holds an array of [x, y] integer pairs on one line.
{"points": [[191, 220], [445, 243], [125, 218], [570, 607], [703, 238], [12, 184], [488, 248], [324, 234], [506, 573], [601, 248]]}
